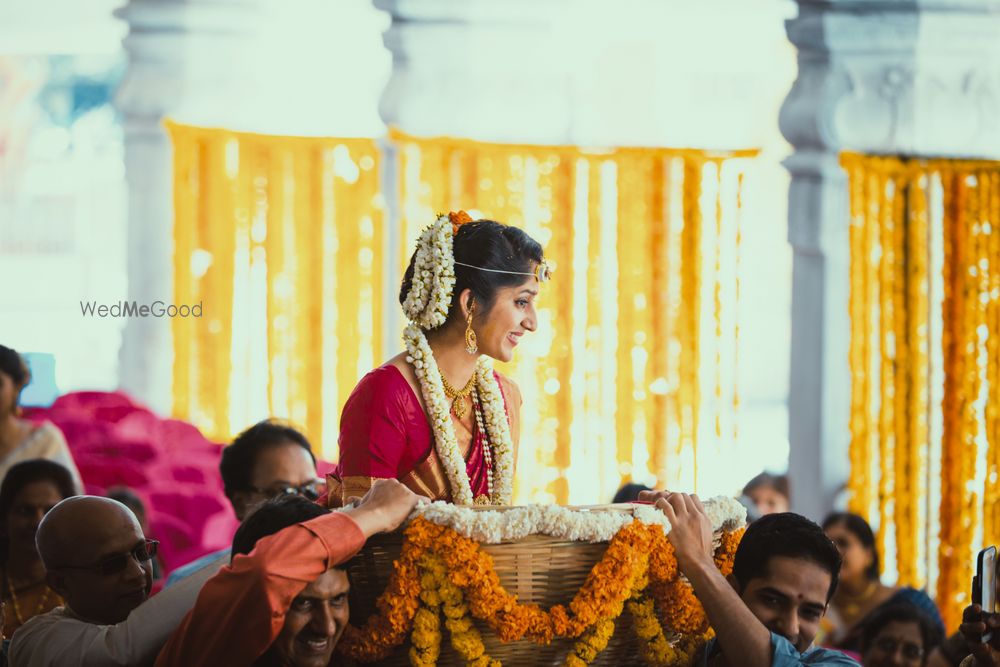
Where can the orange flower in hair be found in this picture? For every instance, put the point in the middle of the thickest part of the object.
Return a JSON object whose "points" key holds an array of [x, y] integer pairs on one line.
{"points": [[458, 219]]}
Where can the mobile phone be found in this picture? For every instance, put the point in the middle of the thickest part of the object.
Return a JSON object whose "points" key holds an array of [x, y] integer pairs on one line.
{"points": [[984, 585]]}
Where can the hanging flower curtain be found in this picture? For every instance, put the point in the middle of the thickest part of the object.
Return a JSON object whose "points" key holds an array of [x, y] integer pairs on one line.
{"points": [[636, 352], [634, 362], [925, 308], [281, 239]]}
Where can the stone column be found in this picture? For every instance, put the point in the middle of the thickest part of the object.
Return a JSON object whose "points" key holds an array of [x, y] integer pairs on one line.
{"points": [[183, 62], [302, 67], [875, 76], [477, 69]]}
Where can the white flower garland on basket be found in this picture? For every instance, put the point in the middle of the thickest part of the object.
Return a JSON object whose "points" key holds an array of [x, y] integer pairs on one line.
{"points": [[590, 525], [426, 305]]}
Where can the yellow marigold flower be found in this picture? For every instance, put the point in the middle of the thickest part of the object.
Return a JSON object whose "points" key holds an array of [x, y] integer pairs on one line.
{"points": [[438, 567], [418, 660], [586, 652], [468, 644], [425, 621], [430, 598], [455, 611], [450, 595], [459, 625]]}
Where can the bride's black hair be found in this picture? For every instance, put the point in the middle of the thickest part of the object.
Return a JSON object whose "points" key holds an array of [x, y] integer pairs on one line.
{"points": [[488, 245]]}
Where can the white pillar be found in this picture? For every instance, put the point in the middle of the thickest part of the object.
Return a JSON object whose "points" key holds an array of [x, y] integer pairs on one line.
{"points": [[478, 68], [301, 67], [818, 398], [183, 61], [877, 77], [558, 72]]}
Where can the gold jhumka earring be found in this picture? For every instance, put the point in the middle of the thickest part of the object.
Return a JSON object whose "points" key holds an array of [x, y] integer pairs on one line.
{"points": [[471, 344]]}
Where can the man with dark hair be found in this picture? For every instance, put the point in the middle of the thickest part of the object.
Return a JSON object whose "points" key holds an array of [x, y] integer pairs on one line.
{"points": [[283, 600], [898, 634], [266, 460], [768, 611]]}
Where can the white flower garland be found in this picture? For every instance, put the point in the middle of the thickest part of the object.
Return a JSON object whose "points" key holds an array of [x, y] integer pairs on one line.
{"points": [[596, 525], [726, 513], [420, 355], [497, 431], [429, 299], [426, 305]]}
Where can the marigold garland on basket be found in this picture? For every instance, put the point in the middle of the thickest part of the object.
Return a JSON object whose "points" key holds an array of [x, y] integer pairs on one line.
{"points": [[591, 643], [440, 571], [653, 645]]}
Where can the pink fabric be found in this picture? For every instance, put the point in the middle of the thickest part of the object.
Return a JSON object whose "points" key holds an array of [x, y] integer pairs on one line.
{"points": [[169, 463], [117, 442]]}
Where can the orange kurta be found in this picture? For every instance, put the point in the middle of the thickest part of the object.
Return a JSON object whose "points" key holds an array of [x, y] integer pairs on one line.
{"points": [[241, 610]]}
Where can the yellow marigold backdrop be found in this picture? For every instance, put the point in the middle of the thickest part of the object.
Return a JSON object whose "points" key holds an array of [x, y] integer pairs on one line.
{"points": [[924, 307], [617, 367], [286, 241], [281, 238]]}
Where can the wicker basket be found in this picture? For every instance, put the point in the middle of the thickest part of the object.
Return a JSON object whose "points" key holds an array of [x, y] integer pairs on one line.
{"points": [[538, 569]]}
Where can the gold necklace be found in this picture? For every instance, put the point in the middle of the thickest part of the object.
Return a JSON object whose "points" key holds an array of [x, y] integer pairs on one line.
{"points": [[851, 607], [17, 607], [458, 396]]}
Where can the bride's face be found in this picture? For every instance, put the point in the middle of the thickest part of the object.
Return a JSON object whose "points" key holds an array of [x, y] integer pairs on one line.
{"points": [[499, 331]]}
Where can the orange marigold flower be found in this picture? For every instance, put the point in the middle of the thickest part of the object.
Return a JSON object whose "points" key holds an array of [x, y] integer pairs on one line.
{"points": [[438, 567], [681, 610], [458, 218], [726, 553]]}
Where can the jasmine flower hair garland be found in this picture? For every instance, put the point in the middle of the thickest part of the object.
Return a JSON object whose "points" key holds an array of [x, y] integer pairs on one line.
{"points": [[426, 305]]}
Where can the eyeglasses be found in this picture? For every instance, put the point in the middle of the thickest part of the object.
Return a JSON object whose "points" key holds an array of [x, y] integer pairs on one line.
{"points": [[115, 564], [310, 490], [911, 651]]}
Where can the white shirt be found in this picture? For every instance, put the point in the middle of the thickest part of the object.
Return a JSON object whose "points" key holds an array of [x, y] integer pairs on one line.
{"points": [[61, 639], [45, 441]]}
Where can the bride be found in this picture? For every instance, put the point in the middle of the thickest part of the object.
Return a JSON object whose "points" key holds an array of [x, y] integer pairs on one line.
{"points": [[437, 417]]}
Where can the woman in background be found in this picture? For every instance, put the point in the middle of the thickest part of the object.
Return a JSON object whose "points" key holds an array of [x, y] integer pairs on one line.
{"points": [[769, 493], [22, 439], [28, 492], [860, 589]]}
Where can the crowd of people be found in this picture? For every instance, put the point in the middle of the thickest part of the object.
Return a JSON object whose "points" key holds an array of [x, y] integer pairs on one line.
{"points": [[433, 423]]}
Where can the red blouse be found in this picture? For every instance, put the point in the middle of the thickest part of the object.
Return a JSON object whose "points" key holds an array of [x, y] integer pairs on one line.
{"points": [[385, 434]]}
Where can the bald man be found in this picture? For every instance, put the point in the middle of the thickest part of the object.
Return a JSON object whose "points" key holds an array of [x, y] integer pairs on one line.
{"points": [[97, 558]]}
